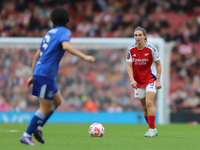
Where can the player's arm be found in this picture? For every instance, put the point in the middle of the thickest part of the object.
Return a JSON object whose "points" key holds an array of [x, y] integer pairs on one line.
{"points": [[35, 59], [68, 47], [159, 69], [130, 74]]}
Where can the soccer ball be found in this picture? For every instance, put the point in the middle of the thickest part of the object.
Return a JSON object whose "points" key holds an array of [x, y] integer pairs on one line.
{"points": [[96, 130]]}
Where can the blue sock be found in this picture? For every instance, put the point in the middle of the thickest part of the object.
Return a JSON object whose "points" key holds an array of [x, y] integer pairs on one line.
{"points": [[48, 116], [35, 121]]}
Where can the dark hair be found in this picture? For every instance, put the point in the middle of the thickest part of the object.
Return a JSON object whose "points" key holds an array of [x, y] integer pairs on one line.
{"points": [[59, 16], [143, 31]]}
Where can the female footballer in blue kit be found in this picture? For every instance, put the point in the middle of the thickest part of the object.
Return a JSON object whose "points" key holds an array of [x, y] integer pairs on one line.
{"points": [[44, 72]]}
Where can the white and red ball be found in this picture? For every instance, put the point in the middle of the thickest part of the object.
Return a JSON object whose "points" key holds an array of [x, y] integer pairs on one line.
{"points": [[96, 130]]}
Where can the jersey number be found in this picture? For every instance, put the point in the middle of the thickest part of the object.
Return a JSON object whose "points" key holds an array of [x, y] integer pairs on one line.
{"points": [[45, 41]]}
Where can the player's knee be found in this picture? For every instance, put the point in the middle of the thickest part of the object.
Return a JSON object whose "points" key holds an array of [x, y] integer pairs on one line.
{"points": [[149, 103]]}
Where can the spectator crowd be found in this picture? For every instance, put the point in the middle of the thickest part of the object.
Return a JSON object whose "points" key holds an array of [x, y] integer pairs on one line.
{"points": [[87, 87], [84, 86]]}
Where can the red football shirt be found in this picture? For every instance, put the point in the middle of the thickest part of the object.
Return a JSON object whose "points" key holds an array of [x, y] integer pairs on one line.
{"points": [[144, 67]]}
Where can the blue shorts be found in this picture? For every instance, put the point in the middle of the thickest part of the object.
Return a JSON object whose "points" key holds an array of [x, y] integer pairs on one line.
{"points": [[44, 88]]}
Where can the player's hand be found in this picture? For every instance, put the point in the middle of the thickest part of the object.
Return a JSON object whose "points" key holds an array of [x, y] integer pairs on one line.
{"points": [[134, 84], [30, 81], [89, 58], [158, 85]]}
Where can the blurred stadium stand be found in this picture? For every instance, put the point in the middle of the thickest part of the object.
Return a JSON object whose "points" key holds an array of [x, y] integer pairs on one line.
{"points": [[173, 20]]}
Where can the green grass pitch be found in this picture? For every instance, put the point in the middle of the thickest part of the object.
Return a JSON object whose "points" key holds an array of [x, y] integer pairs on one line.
{"points": [[116, 137]]}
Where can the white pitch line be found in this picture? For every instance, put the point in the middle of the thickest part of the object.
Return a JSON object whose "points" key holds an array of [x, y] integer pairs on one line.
{"points": [[9, 131]]}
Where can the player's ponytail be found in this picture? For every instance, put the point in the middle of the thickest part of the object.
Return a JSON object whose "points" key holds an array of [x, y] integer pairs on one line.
{"points": [[143, 31]]}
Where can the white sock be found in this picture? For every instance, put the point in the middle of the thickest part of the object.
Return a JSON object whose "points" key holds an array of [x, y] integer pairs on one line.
{"points": [[152, 129], [26, 134], [39, 128]]}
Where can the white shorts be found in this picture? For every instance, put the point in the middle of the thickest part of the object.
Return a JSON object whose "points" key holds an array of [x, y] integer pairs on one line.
{"points": [[141, 92]]}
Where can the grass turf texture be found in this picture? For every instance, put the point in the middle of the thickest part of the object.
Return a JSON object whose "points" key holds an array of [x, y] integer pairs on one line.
{"points": [[116, 137]]}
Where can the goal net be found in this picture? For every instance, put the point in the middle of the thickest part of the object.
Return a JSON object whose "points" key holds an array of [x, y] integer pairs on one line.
{"points": [[105, 82]]}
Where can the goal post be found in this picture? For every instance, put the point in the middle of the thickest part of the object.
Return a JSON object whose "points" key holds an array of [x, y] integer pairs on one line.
{"points": [[114, 44]]}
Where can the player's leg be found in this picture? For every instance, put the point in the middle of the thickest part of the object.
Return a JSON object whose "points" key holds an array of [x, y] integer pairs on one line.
{"points": [[150, 96], [140, 93], [37, 119], [42, 88], [57, 101], [144, 106]]}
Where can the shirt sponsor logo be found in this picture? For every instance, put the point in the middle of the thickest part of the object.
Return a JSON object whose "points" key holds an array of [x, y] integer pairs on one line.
{"points": [[140, 61]]}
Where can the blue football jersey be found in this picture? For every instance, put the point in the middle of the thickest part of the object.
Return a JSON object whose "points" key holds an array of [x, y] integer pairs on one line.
{"points": [[51, 52]]}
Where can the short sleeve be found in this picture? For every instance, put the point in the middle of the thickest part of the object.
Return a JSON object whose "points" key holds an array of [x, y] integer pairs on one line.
{"points": [[128, 56], [40, 48], [65, 36], [155, 54]]}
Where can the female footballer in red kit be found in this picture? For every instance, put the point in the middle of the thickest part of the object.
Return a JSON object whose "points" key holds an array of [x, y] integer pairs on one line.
{"points": [[144, 70]]}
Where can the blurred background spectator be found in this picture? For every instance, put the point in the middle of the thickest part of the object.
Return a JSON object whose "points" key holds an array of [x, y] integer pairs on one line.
{"points": [[82, 88]]}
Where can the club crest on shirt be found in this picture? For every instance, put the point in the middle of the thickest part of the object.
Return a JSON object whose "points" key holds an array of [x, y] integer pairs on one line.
{"points": [[128, 56]]}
